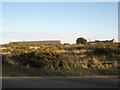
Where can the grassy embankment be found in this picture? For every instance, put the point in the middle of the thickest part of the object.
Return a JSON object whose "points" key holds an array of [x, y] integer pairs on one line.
{"points": [[61, 60]]}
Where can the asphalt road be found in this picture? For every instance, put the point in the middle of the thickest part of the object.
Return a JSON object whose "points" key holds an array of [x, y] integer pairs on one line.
{"points": [[59, 82]]}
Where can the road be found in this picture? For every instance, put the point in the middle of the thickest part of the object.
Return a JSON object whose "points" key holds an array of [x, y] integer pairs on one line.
{"points": [[59, 82]]}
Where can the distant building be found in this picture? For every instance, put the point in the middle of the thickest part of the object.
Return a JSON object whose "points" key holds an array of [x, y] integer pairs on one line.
{"points": [[66, 43], [37, 42], [106, 41]]}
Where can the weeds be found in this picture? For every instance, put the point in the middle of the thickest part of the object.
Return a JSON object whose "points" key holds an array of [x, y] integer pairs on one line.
{"points": [[60, 60]]}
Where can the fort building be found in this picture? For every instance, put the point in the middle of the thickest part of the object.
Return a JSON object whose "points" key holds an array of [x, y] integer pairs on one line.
{"points": [[105, 41], [38, 42]]}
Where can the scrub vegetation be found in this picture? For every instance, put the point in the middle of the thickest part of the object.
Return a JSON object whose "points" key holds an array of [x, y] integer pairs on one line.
{"points": [[61, 60]]}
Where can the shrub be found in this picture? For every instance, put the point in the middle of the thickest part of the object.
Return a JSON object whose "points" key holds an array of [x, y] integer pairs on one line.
{"points": [[37, 58], [81, 41]]}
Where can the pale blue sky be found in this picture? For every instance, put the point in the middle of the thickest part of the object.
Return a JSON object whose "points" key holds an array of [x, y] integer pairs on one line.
{"points": [[59, 20]]}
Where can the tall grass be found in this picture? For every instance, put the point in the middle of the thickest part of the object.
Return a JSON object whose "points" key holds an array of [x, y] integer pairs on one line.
{"points": [[47, 60], [24, 71]]}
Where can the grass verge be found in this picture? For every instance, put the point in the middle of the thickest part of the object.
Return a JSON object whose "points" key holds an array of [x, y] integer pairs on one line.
{"points": [[8, 70]]}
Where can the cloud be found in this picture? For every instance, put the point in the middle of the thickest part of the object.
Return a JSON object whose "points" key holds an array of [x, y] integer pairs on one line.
{"points": [[17, 35], [4, 20], [9, 36]]}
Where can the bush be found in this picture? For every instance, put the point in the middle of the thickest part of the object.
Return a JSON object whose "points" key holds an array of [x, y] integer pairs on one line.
{"points": [[81, 41], [106, 50], [37, 58], [101, 51]]}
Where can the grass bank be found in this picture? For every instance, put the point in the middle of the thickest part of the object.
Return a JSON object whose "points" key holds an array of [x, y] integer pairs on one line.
{"points": [[23, 71]]}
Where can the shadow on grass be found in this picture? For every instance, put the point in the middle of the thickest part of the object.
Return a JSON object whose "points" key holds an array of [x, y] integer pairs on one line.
{"points": [[8, 70]]}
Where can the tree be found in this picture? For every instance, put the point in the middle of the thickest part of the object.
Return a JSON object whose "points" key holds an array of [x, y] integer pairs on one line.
{"points": [[81, 41]]}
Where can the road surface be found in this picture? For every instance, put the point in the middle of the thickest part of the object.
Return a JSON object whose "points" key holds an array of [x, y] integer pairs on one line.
{"points": [[59, 82]]}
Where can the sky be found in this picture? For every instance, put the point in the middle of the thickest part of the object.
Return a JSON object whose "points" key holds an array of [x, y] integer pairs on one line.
{"points": [[65, 21]]}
